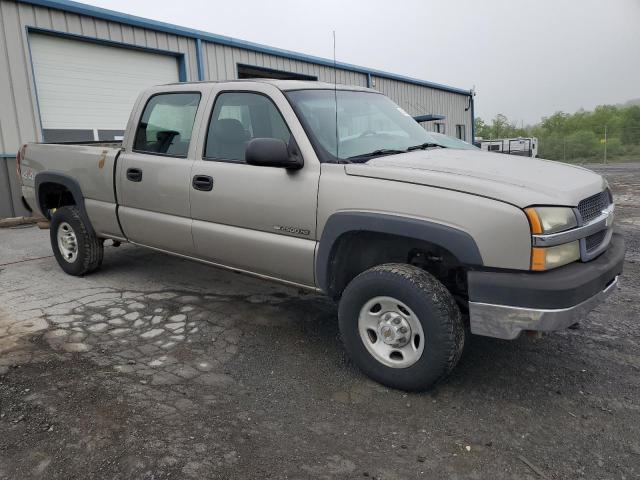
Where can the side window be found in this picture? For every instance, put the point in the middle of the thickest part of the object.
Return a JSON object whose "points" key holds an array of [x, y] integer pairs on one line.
{"points": [[438, 127], [460, 133], [239, 117], [166, 124]]}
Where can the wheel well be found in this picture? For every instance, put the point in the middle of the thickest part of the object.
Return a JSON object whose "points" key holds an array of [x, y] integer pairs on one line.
{"points": [[356, 252], [54, 195]]}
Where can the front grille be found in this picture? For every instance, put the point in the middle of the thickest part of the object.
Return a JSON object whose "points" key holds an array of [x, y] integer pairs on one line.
{"points": [[592, 242], [592, 207]]}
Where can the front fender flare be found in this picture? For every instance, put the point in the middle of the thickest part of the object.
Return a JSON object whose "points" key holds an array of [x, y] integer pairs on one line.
{"points": [[456, 241]]}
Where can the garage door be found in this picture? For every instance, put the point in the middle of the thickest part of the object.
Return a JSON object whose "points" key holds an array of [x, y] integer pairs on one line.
{"points": [[86, 90]]}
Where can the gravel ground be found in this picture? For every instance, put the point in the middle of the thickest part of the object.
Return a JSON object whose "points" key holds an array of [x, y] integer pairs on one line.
{"points": [[154, 367]]}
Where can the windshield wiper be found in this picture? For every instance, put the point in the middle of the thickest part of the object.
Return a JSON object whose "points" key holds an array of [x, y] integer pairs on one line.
{"points": [[424, 146], [376, 153]]}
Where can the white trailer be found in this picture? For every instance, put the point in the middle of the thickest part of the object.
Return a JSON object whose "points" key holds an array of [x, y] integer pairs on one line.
{"points": [[522, 146]]}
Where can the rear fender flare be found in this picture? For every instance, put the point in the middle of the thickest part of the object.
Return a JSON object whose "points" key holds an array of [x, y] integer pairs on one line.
{"points": [[70, 184]]}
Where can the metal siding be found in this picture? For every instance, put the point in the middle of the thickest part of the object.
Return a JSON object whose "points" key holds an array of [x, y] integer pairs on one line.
{"points": [[222, 61], [10, 194], [16, 193], [21, 123], [191, 59], [417, 100], [6, 201]]}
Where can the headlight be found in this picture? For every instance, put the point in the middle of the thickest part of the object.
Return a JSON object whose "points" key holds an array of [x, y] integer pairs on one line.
{"points": [[552, 257], [545, 220], [548, 220]]}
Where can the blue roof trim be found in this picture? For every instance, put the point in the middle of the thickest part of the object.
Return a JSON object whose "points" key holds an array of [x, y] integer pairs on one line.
{"points": [[110, 15], [8, 155]]}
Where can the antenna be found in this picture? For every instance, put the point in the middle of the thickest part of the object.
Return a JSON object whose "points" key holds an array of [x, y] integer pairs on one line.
{"points": [[335, 94]]}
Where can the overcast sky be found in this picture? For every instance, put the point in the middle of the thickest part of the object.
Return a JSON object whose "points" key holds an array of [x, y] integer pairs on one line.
{"points": [[526, 58]]}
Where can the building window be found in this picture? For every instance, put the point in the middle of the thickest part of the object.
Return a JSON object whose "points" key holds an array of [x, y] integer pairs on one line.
{"points": [[166, 124], [253, 71], [55, 135], [438, 127], [460, 133]]}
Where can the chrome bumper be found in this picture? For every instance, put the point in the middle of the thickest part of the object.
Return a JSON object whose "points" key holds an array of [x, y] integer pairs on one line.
{"points": [[507, 322]]}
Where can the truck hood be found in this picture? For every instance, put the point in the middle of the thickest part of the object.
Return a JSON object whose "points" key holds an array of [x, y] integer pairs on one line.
{"points": [[521, 181]]}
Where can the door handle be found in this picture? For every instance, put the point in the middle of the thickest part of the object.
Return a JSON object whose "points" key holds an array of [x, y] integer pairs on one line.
{"points": [[203, 183], [134, 174]]}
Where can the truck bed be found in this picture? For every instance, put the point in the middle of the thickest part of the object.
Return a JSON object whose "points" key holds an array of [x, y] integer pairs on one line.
{"points": [[90, 165]]}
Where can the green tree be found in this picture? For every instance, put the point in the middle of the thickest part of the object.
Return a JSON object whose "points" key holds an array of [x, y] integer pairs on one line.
{"points": [[630, 134], [482, 129], [581, 144], [579, 136], [500, 127]]}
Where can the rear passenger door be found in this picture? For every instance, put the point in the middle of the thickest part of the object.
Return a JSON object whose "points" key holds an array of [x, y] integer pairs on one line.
{"points": [[254, 218], [154, 172]]}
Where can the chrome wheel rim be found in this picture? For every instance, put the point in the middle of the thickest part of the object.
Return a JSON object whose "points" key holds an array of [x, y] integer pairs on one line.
{"points": [[391, 332], [67, 242]]}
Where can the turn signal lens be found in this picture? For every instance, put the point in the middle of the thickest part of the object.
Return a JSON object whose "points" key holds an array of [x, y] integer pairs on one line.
{"points": [[538, 259], [553, 257], [534, 221]]}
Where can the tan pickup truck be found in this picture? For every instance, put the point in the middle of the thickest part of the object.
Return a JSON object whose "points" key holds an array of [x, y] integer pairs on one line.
{"points": [[338, 190]]}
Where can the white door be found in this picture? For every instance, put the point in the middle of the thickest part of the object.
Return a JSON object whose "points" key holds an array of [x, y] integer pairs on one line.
{"points": [[86, 90]]}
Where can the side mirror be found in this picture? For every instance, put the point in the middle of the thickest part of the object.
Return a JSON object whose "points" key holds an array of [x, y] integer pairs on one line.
{"points": [[271, 152]]}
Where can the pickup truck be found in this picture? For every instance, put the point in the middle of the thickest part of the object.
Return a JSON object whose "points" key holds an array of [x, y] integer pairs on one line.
{"points": [[421, 238]]}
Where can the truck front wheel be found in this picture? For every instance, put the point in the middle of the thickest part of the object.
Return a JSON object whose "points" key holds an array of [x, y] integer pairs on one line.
{"points": [[77, 250], [401, 326]]}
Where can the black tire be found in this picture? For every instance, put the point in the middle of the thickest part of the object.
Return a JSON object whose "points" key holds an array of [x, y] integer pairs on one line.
{"points": [[90, 249], [435, 309]]}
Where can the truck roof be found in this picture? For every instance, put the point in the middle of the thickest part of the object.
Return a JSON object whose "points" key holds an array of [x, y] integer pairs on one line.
{"points": [[286, 84]]}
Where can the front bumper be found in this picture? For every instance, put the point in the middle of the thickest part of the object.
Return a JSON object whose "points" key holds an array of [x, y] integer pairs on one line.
{"points": [[503, 304]]}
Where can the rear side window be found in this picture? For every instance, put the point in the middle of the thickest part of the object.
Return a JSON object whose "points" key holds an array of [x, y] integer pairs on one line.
{"points": [[239, 117], [167, 123]]}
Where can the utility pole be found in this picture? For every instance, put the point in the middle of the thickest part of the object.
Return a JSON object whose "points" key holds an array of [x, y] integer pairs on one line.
{"points": [[605, 144]]}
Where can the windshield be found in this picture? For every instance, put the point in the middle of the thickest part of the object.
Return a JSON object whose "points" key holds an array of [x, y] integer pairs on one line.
{"points": [[369, 125]]}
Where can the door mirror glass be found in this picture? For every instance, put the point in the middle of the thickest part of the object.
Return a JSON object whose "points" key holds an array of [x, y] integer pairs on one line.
{"points": [[271, 152]]}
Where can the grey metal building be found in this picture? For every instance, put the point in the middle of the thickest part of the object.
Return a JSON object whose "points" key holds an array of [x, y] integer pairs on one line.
{"points": [[71, 72]]}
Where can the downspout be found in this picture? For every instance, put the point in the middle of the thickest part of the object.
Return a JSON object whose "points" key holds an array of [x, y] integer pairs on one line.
{"points": [[473, 120], [199, 59]]}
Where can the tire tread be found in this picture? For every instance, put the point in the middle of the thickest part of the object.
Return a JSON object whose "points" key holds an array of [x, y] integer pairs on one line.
{"points": [[447, 315]]}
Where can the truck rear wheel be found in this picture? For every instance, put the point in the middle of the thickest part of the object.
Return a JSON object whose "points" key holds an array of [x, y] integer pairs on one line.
{"points": [[77, 250], [401, 326]]}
